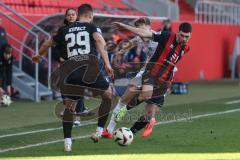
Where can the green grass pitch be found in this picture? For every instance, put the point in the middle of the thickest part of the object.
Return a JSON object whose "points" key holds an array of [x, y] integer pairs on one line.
{"points": [[201, 126]]}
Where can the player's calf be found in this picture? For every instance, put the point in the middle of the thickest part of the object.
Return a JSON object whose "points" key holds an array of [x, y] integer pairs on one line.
{"points": [[70, 104], [140, 124], [103, 112]]}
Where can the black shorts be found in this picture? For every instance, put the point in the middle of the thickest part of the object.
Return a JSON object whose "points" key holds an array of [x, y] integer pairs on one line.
{"points": [[158, 96], [147, 79], [77, 78], [159, 101], [100, 82], [160, 88]]}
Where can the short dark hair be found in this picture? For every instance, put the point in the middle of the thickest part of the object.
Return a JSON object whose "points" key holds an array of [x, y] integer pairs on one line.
{"points": [[7, 48], [84, 9], [142, 21], [185, 27]]}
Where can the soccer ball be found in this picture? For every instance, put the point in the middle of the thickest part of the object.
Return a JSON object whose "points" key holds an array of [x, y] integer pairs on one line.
{"points": [[123, 136], [6, 100]]}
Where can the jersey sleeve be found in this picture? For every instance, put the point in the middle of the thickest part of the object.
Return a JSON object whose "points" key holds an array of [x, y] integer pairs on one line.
{"points": [[136, 40], [94, 29], [161, 37]]}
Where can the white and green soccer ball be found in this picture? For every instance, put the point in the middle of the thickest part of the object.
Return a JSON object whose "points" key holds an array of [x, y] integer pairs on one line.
{"points": [[123, 136], [6, 100]]}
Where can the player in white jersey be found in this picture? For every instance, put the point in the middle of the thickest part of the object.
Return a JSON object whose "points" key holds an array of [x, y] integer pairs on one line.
{"points": [[149, 47]]}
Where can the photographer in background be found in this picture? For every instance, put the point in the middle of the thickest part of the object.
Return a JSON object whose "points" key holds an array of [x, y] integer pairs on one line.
{"points": [[3, 38], [6, 61]]}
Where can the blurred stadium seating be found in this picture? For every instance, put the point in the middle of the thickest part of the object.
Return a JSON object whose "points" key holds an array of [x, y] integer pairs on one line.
{"points": [[58, 6]]}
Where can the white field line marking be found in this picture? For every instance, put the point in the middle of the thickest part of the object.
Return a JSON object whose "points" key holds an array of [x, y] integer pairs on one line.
{"points": [[39, 131], [30, 132], [200, 116], [233, 102], [159, 123], [53, 129], [39, 144]]}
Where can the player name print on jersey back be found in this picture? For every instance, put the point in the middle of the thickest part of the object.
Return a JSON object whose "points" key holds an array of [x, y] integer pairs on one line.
{"points": [[78, 39], [76, 29]]}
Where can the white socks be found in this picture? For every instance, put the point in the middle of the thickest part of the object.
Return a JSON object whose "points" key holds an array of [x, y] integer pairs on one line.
{"points": [[68, 141], [118, 106], [112, 124], [99, 130]]}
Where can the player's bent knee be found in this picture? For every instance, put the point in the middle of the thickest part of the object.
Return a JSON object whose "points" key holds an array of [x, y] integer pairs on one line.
{"points": [[143, 97], [70, 104], [132, 88], [108, 94]]}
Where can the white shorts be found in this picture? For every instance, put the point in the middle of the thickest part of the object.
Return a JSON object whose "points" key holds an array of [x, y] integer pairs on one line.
{"points": [[137, 80]]}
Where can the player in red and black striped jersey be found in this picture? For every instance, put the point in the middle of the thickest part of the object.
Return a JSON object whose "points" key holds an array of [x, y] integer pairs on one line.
{"points": [[170, 50], [161, 67]]}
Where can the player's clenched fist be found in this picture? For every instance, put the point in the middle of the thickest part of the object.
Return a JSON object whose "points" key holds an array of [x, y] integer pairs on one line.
{"points": [[36, 58]]}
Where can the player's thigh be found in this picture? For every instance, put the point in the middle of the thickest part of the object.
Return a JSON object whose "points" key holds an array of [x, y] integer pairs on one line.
{"points": [[161, 88], [107, 94], [70, 103], [130, 92], [146, 92], [148, 84]]}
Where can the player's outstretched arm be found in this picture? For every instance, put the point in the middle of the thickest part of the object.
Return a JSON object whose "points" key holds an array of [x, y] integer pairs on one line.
{"points": [[43, 50], [130, 44], [101, 47], [138, 31]]}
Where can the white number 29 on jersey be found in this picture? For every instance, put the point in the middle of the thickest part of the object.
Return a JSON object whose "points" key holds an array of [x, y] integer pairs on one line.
{"points": [[82, 41]]}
